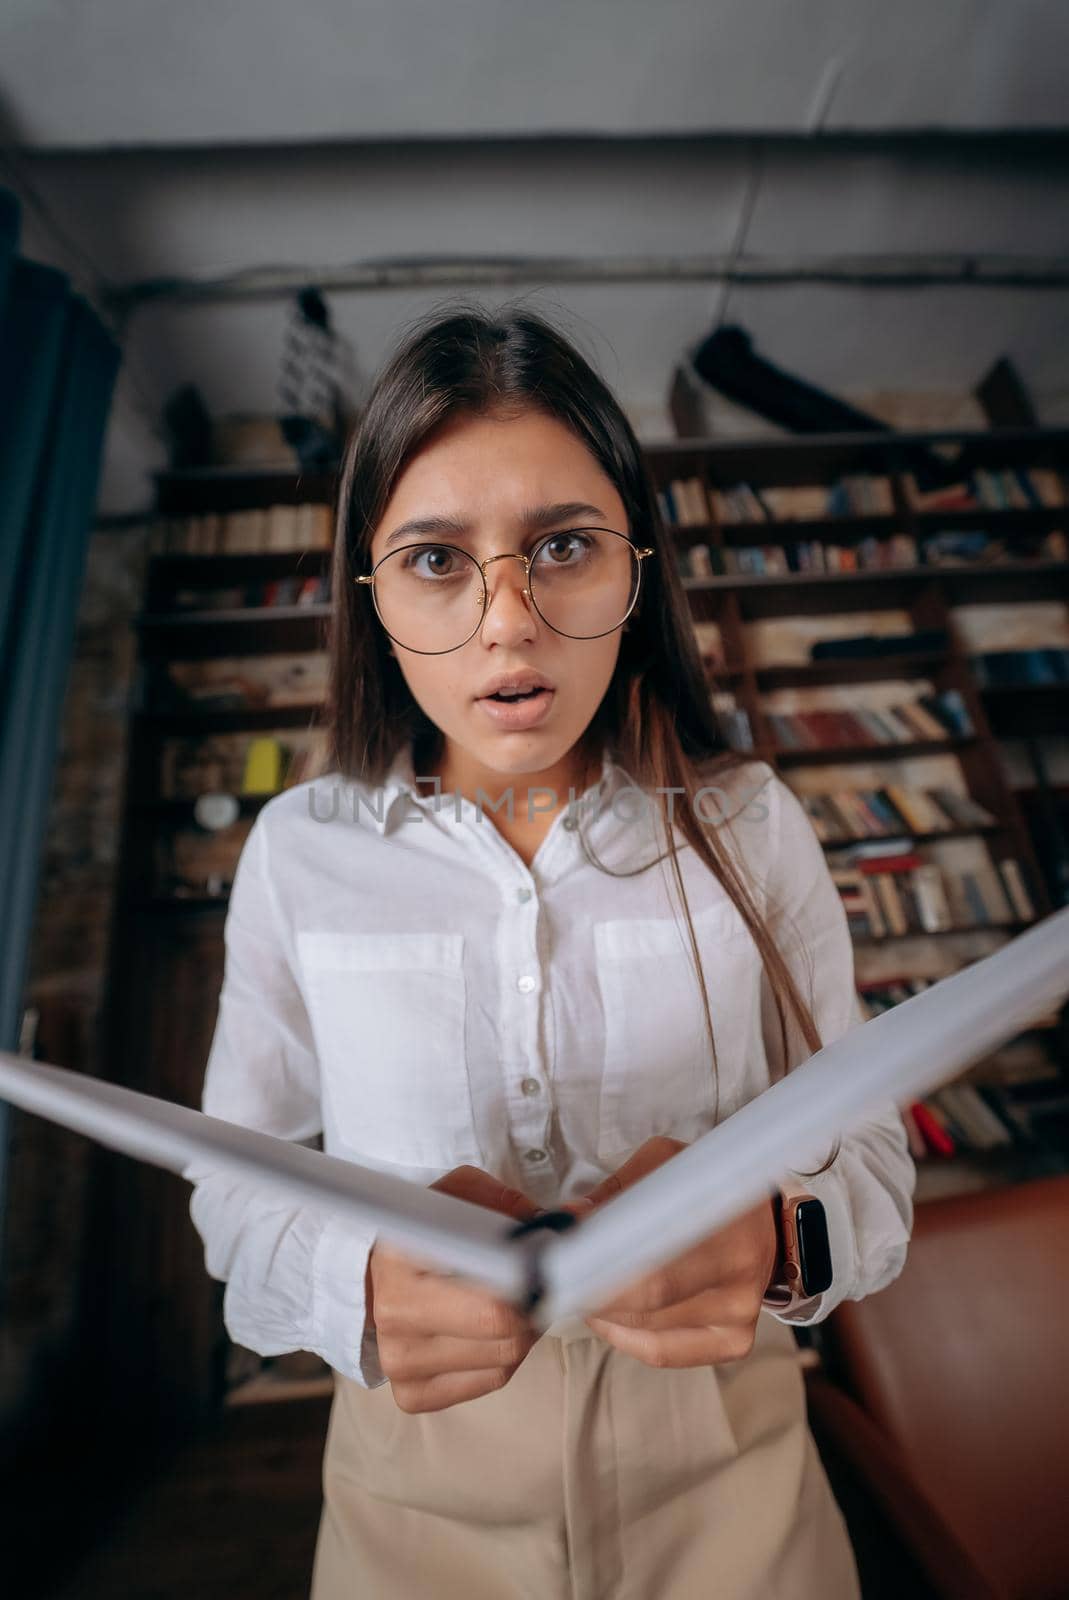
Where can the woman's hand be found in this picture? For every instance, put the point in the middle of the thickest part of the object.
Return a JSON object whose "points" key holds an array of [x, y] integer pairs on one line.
{"points": [[702, 1307], [441, 1341]]}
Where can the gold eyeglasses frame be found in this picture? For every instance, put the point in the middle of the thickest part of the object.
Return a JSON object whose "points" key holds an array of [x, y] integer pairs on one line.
{"points": [[640, 554]]}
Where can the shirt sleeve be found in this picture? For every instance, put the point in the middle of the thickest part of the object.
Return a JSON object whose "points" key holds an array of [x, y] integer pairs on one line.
{"points": [[867, 1191], [294, 1273]]}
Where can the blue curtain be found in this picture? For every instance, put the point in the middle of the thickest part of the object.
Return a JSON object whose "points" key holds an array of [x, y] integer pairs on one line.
{"points": [[57, 372]]}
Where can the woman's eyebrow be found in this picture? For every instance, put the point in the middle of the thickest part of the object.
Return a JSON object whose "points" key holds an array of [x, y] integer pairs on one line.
{"points": [[531, 520]]}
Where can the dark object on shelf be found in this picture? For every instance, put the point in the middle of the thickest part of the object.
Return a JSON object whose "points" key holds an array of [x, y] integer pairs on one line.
{"points": [[1052, 835], [881, 644], [1041, 664], [189, 427], [312, 423], [726, 359], [684, 404], [1006, 401]]}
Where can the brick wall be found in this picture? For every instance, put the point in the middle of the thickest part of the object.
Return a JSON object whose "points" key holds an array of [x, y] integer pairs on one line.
{"points": [[49, 1166]]}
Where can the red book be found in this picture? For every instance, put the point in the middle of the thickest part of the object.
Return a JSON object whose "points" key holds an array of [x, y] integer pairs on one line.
{"points": [[901, 863], [936, 1138]]}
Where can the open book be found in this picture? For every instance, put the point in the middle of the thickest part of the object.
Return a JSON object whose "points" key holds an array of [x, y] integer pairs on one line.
{"points": [[894, 1058]]}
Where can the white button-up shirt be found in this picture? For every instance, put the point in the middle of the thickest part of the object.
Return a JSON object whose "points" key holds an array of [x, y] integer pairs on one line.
{"points": [[400, 982]]}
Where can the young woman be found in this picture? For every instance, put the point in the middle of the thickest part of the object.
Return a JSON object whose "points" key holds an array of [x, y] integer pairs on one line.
{"points": [[534, 931]]}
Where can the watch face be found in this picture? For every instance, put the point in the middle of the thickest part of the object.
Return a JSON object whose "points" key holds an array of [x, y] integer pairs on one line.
{"points": [[814, 1250]]}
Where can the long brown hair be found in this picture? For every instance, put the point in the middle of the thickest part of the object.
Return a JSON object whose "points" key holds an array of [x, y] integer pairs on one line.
{"points": [[655, 716]]}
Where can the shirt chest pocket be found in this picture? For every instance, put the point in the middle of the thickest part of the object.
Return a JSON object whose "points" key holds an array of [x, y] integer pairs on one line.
{"points": [[388, 1017], [658, 1074]]}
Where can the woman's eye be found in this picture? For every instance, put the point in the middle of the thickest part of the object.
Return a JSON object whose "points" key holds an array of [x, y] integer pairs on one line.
{"points": [[441, 562], [564, 548]]}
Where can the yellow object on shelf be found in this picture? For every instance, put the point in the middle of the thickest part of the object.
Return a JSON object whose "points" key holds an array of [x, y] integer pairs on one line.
{"points": [[265, 763]]}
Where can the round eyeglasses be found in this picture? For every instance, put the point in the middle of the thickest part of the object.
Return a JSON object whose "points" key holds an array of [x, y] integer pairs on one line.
{"points": [[583, 583]]}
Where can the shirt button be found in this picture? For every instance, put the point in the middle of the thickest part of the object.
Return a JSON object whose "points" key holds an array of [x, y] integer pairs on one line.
{"points": [[534, 1155], [525, 984], [570, 823], [523, 895], [531, 1086]]}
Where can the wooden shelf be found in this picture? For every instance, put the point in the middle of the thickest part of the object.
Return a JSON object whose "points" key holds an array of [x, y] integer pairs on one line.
{"points": [[239, 719], [820, 458], [1009, 928], [985, 573], [852, 529], [970, 1170], [849, 669], [265, 1390], [983, 830], [831, 755], [243, 617], [224, 570], [178, 808]]}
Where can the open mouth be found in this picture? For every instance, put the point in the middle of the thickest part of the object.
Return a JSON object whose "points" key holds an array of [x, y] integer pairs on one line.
{"points": [[511, 699]]}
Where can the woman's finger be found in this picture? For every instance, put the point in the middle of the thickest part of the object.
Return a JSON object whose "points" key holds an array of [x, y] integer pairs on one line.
{"points": [[737, 1254], [681, 1347], [723, 1306], [406, 1359], [654, 1153], [449, 1389], [483, 1189], [410, 1303]]}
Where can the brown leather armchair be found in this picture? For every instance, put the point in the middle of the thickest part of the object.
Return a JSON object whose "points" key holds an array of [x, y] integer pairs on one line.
{"points": [[942, 1408]]}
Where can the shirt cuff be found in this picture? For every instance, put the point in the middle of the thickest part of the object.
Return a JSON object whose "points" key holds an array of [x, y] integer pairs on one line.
{"points": [[341, 1333]]}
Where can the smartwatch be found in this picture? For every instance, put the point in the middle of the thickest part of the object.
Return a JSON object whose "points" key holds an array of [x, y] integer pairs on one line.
{"points": [[804, 1266]]}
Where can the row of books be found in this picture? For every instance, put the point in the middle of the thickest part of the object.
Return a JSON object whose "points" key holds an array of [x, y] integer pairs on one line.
{"points": [[689, 502], [993, 668], [1002, 489], [801, 555], [238, 763], [891, 811], [734, 721], [967, 1117], [290, 591], [931, 716], [974, 547], [892, 895], [283, 527], [954, 549]]}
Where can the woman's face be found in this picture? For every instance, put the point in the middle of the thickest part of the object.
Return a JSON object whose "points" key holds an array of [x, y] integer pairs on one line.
{"points": [[486, 474]]}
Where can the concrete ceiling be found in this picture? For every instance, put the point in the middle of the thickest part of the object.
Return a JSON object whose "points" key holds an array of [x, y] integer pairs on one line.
{"points": [[85, 74], [210, 139]]}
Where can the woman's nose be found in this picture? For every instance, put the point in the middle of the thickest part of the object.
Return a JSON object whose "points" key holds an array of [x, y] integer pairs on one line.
{"points": [[508, 604]]}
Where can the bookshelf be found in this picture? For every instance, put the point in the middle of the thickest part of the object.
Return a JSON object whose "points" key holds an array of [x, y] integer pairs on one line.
{"points": [[231, 648], [784, 548]]}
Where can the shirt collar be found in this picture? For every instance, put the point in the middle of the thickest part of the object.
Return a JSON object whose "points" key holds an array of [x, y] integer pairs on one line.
{"points": [[399, 786]]}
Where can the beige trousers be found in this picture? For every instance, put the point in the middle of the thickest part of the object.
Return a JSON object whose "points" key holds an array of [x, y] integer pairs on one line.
{"points": [[590, 1476]]}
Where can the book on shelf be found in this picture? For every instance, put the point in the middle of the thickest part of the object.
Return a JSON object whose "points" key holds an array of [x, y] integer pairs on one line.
{"points": [[686, 501], [992, 489], [307, 526], [220, 763], [893, 809], [242, 683], [866, 646], [733, 720], [893, 894], [710, 642], [294, 590], [1041, 665], [936, 716], [999, 1104]]}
